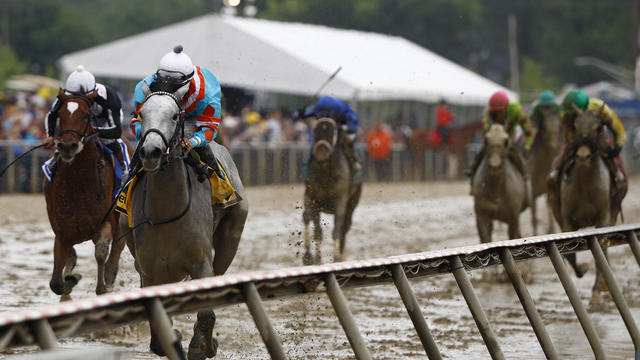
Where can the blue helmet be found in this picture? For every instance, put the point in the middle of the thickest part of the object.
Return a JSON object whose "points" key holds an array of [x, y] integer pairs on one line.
{"points": [[327, 106]]}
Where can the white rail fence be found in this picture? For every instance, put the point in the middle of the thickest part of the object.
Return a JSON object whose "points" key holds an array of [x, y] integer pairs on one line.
{"points": [[44, 325], [259, 164]]}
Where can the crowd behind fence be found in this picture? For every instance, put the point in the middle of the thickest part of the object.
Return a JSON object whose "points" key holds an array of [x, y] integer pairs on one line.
{"points": [[260, 164]]}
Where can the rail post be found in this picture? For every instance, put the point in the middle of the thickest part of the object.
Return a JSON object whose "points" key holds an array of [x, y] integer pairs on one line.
{"points": [[43, 334], [259, 315], [614, 290], [34, 173], [574, 298], [635, 247], [161, 325], [11, 172], [341, 308], [527, 303], [415, 313], [479, 316]]}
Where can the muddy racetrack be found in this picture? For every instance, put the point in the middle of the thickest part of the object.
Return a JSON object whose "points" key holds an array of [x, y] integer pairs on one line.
{"points": [[392, 219]]}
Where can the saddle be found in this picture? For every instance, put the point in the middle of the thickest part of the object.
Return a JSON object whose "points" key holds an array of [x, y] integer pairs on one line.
{"points": [[223, 195]]}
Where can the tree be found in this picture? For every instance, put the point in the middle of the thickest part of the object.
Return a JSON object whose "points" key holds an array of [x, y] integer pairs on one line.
{"points": [[9, 65]]}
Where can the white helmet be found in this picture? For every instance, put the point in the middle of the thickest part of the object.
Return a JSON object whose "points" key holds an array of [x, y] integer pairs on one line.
{"points": [[80, 82], [176, 64]]}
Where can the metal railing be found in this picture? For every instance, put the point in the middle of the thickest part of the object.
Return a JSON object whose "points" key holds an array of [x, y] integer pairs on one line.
{"points": [[43, 326]]}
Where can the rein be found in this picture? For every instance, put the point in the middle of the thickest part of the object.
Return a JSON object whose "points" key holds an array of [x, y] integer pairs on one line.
{"points": [[169, 144], [20, 157]]}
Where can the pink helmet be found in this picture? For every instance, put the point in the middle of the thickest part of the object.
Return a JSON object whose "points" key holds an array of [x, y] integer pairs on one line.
{"points": [[498, 101]]}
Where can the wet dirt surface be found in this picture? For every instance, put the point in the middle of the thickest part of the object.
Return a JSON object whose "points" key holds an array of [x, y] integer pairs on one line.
{"points": [[392, 219]]}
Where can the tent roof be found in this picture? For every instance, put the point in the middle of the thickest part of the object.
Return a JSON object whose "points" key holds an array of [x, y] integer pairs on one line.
{"points": [[293, 58]]}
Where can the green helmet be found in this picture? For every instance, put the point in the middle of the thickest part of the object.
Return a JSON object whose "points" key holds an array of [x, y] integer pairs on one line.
{"points": [[577, 97], [547, 98]]}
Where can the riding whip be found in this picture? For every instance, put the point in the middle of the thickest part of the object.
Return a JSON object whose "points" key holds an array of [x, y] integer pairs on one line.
{"points": [[20, 157], [327, 82]]}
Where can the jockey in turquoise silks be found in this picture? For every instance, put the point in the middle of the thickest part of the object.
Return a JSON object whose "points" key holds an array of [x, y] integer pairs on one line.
{"points": [[201, 104]]}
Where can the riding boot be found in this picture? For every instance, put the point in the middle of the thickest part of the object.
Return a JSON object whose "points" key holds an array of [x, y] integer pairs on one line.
{"points": [[49, 166], [206, 155], [617, 177], [117, 153], [476, 162], [517, 160], [474, 167], [353, 157]]}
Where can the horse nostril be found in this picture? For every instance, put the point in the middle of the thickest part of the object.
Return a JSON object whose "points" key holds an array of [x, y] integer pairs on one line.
{"points": [[153, 153]]}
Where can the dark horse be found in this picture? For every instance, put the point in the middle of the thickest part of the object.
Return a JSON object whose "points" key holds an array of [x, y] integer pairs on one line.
{"points": [[80, 197], [329, 188], [585, 192], [176, 228], [546, 146]]}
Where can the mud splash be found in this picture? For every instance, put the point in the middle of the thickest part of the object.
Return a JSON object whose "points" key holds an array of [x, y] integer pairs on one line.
{"points": [[392, 219]]}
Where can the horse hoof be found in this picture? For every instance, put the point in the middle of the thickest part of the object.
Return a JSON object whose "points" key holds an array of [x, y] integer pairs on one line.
{"points": [[200, 349], [156, 347], [72, 280], [582, 269], [65, 297]]}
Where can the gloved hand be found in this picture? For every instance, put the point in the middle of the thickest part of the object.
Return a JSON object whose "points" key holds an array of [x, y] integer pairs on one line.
{"points": [[613, 153], [49, 142]]}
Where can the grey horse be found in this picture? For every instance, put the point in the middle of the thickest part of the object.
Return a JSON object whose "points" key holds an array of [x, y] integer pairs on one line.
{"points": [[546, 147], [588, 175], [329, 188], [499, 190], [176, 228]]}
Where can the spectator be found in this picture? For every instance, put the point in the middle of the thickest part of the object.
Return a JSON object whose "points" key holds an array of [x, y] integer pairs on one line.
{"points": [[444, 117], [274, 127], [379, 146]]}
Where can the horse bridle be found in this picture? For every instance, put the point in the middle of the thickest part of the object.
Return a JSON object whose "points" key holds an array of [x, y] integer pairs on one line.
{"points": [[179, 125], [83, 136], [334, 140], [169, 144]]}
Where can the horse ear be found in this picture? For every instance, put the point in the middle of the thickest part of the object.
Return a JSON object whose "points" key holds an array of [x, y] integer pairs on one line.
{"points": [[92, 95], [145, 89], [601, 109], [61, 95], [181, 92], [576, 108]]}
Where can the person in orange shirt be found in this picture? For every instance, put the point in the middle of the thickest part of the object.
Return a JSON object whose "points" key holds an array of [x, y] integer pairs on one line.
{"points": [[379, 146], [444, 117]]}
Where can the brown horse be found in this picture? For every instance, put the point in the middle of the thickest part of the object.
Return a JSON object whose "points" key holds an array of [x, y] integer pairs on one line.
{"points": [[460, 138], [329, 188], [588, 174], [545, 148], [79, 198], [499, 190]]}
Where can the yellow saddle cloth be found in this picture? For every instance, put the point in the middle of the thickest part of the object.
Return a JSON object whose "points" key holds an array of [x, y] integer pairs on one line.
{"points": [[223, 194]]}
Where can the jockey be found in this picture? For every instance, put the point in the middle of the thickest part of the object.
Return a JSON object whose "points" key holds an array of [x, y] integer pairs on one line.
{"points": [[579, 99], [543, 107], [107, 111], [510, 114], [201, 103], [344, 115]]}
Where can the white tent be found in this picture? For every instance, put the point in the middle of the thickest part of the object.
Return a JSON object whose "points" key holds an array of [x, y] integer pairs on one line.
{"points": [[294, 58]]}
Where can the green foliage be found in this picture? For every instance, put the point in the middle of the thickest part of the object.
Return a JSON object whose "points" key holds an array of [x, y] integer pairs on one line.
{"points": [[534, 79], [9, 65], [472, 33]]}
